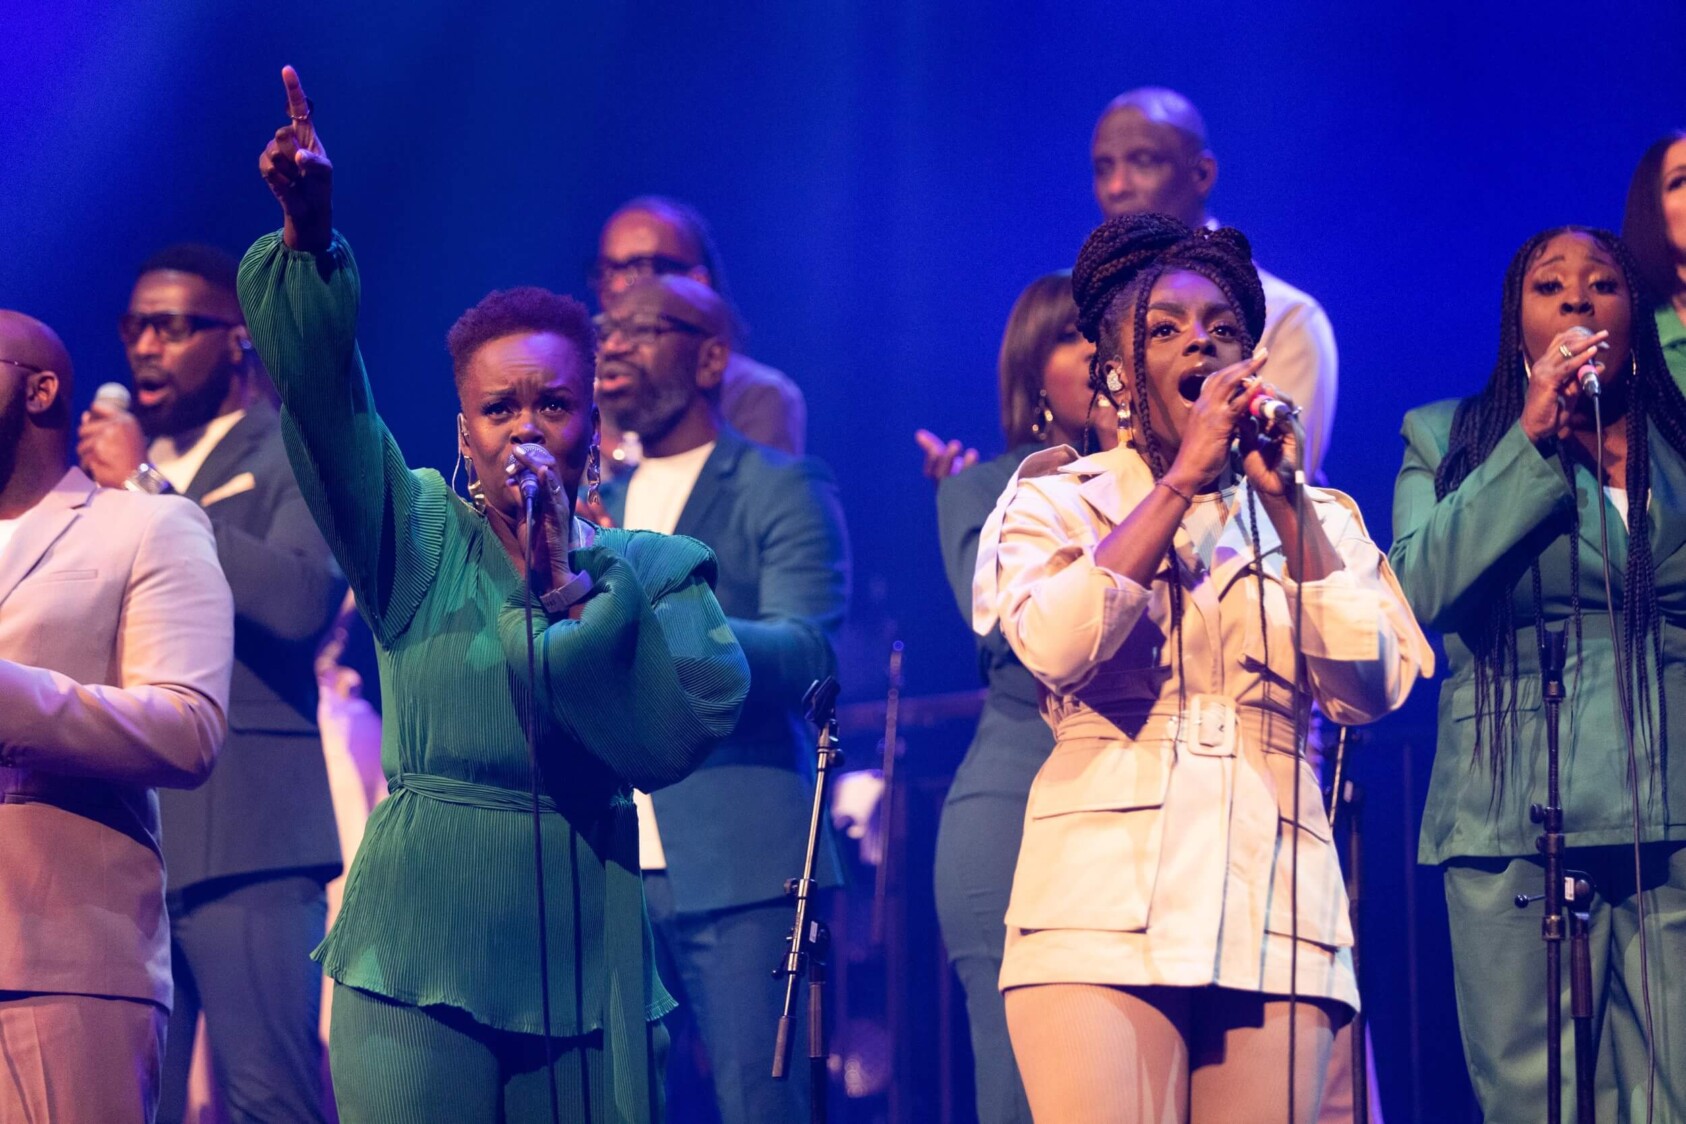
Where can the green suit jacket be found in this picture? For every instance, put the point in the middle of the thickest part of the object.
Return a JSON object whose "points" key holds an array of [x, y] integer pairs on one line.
{"points": [[1453, 555]]}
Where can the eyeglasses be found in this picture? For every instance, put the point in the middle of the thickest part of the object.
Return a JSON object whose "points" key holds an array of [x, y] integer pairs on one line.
{"points": [[603, 270], [641, 330], [30, 367], [171, 327]]}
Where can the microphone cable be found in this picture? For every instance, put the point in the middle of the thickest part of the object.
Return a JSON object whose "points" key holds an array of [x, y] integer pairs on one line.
{"points": [[1617, 638], [1302, 727], [538, 819]]}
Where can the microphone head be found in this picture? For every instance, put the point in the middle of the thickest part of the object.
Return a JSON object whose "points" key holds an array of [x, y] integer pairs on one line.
{"points": [[113, 394]]}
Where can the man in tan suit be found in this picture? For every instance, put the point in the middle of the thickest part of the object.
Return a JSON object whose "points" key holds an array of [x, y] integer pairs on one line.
{"points": [[116, 643]]}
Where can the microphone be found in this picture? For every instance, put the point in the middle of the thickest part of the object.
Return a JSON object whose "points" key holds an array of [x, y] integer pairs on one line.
{"points": [[1587, 376], [527, 479], [1271, 413], [113, 394]]}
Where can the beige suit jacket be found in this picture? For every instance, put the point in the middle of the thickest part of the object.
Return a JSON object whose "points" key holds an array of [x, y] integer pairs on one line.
{"points": [[1159, 838], [116, 643]]}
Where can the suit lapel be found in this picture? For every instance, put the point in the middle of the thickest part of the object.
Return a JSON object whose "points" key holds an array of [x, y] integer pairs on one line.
{"points": [[1668, 500], [41, 528], [229, 454], [710, 490]]}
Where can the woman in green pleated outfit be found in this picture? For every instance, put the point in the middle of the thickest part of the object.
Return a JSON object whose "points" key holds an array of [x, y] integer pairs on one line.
{"points": [[438, 1011]]}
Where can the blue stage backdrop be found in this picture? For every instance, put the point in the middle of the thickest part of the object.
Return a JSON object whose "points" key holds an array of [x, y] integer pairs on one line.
{"points": [[883, 178]]}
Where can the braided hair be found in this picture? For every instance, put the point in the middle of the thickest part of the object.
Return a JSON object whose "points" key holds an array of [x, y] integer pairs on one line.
{"points": [[1115, 273], [1479, 423]]}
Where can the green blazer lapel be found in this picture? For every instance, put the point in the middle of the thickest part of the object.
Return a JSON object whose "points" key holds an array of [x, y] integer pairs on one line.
{"points": [[236, 446], [1668, 500], [712, 488]]}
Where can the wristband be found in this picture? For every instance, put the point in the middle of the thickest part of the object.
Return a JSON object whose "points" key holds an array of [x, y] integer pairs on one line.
{"points": [[149, 480]]}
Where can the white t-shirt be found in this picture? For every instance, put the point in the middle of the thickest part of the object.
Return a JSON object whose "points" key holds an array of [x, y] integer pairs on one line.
{"points": [[655, 497], [179, 466]]}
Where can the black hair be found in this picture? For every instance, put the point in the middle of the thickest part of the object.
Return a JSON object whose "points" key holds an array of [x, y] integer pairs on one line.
{"points": [[216, 266], [1116, 271], [528, 308], [1643, 227], [1040, 315], [1478, 425]]}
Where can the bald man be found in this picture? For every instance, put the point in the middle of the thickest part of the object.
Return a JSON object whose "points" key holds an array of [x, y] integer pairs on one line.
{"points": [[717, 847], [1149, 153], [116, 645], [654, 236]]}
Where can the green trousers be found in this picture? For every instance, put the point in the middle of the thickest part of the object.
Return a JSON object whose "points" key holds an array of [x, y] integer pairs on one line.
{"points": [[397, 1064], [1499, 968]]}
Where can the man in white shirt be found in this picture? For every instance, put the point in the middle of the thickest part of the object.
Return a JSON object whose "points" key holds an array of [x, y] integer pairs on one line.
{"points": [[249, 854], [717, 847], [654, 236]]}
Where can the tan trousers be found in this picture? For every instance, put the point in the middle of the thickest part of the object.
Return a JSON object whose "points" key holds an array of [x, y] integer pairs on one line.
{"points": [[79, 1059], [1165, 1055]]}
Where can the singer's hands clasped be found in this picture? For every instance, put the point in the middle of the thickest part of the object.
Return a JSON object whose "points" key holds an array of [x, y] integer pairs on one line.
{"points": [[1554, 389], [551, 512], [1215, 420]]}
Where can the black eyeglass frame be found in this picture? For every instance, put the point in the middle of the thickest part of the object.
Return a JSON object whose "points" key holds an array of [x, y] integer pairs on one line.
{"points": [[133, 325]]}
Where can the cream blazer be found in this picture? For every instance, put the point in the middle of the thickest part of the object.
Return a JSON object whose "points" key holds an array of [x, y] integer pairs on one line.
{"points": [[1160, 834], [116, 647]]}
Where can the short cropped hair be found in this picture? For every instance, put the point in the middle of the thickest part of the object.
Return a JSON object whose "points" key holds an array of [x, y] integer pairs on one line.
{"points": [[508, 312]]}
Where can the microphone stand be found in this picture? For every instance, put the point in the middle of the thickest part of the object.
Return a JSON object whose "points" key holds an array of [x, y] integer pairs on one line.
{"points": [[1564, 890], [810, 938]]}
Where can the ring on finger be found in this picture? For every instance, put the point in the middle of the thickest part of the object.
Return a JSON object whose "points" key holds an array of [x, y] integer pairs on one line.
{"points": [[1563, 350]]}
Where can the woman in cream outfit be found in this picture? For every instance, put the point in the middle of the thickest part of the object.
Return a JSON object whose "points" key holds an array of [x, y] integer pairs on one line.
{"points": [[1151, 944]]}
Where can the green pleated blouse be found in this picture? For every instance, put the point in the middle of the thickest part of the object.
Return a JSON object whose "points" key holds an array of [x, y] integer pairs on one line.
{"points": [[440, 906]]}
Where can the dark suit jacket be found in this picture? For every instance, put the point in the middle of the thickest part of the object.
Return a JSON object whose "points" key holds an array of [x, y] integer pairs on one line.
{"points": [[735, 829], [267, 806]]}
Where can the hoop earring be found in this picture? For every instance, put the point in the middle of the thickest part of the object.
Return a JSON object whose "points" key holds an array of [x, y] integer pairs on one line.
{"points": [[1043, 421], [593, 474]]}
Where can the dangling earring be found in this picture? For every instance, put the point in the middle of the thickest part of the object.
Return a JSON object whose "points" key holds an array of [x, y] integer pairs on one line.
{"points": [[476, 493], [1126, 423], [593, 474], [1114, 379], [1044, 419]]}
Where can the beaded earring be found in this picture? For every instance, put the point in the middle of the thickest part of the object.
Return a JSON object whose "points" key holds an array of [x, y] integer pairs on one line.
{"points": [[1043, 421]]}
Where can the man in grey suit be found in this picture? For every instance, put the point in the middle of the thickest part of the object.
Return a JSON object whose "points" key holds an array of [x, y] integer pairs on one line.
{"points": [[249, 854], [116, 639], [717, 847]]}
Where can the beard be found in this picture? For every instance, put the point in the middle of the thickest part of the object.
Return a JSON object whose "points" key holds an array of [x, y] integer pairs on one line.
{"points": [[12, 420], [186, 410], [652, 409]]}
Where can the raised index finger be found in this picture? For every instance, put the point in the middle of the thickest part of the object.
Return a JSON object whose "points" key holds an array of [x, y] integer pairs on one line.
{"points": [[297, 104], [298, 107]]}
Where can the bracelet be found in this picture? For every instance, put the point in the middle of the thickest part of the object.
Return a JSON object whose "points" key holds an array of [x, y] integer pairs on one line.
{"points": [[565, 596], [1174, 490]]}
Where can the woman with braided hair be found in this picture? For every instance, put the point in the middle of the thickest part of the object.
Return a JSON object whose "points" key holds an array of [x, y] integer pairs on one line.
{"points": [[1155, 957], [1497, 537]]}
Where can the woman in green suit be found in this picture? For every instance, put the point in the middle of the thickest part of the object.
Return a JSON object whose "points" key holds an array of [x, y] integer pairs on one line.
{"points": [[438, 1010], [1497, 515], [1045, 401]]}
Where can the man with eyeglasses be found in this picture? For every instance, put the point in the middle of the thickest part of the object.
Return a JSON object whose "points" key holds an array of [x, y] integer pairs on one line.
{"points": [[717, 847], [654, 236], [116, 641], [248, 855]]}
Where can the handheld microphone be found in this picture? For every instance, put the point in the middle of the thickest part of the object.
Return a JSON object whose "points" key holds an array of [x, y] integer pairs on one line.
{"points": [[1587, 376], [527, 479], [1271, 413], [113, 394]]}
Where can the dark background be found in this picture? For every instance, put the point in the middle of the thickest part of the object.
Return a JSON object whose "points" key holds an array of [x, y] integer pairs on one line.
{"points": [[883, 179]]}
